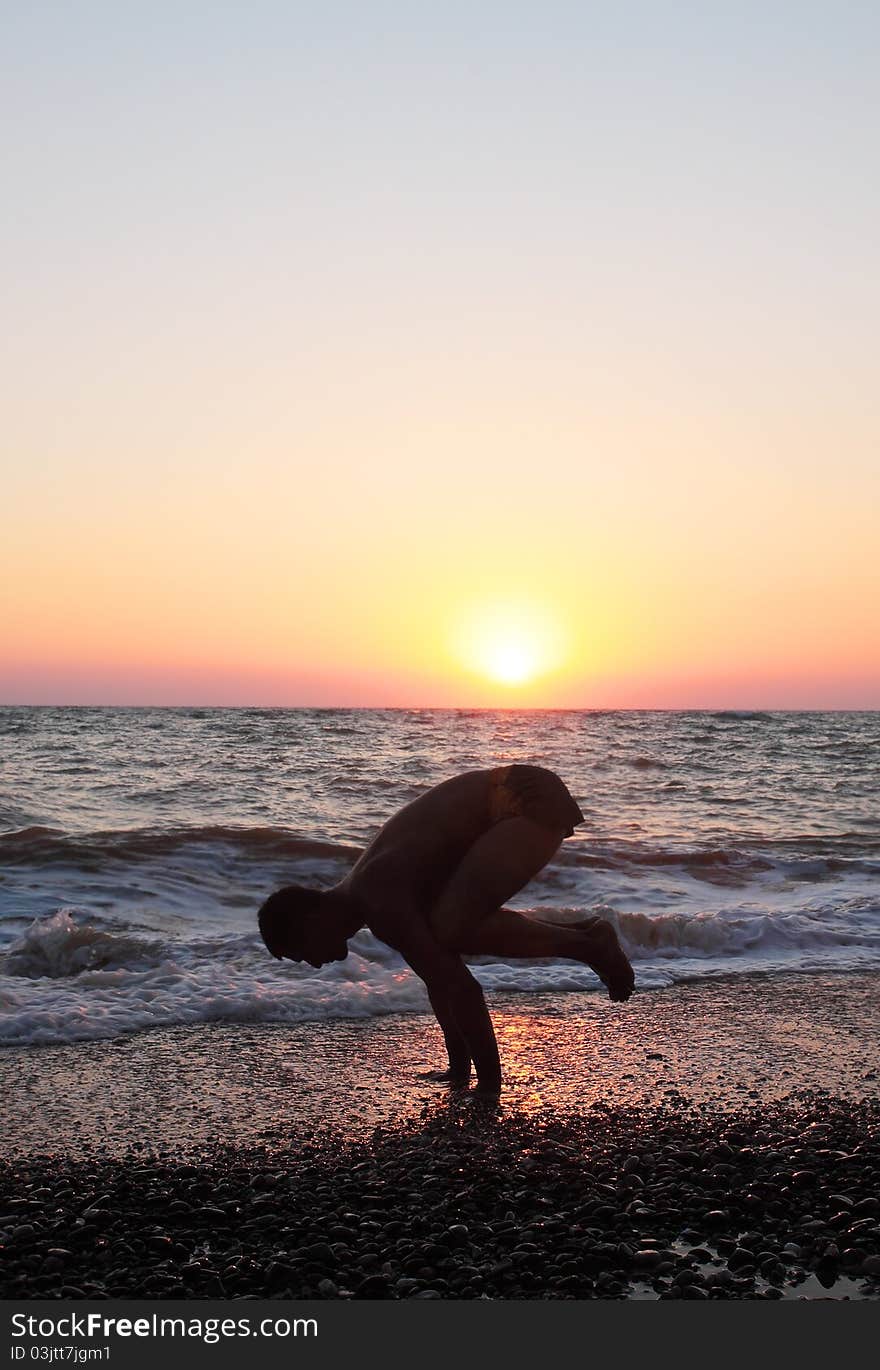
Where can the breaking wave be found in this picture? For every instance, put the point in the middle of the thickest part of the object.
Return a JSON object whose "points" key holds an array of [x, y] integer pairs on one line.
{"points": [[69, 977], [42, 845]]}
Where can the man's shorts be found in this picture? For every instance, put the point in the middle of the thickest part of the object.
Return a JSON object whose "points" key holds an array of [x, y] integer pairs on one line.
{"points": [[535, 793]]}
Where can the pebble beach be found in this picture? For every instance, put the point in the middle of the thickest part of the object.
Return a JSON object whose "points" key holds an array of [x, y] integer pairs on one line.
{"points": [[711, 1141]]}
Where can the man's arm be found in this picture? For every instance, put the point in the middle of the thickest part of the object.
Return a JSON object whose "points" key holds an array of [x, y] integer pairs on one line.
{"points": [[451, 985], [457, 1048]]}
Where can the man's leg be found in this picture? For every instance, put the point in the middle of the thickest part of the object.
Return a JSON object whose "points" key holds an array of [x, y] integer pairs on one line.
{"points": [[456, 1047], [469, 917], [506, 933], [492, 871]]}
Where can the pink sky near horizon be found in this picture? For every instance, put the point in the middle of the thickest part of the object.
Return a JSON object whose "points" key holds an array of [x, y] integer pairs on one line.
{"points": [[68, 685]]}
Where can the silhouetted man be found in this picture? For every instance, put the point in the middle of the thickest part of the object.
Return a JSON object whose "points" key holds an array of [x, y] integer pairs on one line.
{"points": [[432, 885]]}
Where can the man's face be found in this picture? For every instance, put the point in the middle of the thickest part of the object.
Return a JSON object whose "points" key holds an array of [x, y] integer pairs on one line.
{"points": [[319, 945]]}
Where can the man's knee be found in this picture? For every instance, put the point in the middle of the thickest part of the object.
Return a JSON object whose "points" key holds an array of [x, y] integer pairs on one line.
{"points": [[461, 908], [448, 929]]}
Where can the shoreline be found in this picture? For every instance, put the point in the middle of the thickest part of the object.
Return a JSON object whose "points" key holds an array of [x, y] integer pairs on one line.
{"points": [[718, 1042]]}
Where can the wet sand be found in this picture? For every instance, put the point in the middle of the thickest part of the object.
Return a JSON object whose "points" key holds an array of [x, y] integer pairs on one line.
{"points": [[722, 1042], [713, 1140]]}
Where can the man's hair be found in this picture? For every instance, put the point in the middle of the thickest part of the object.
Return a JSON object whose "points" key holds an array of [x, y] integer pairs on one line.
{"points": [[282, 916]]}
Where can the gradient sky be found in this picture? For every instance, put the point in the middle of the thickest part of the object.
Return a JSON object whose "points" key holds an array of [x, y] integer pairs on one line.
{"points": [[342, 338]]}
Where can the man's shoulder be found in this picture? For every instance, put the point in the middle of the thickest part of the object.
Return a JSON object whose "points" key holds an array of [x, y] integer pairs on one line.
{"points": [[380, 879]]}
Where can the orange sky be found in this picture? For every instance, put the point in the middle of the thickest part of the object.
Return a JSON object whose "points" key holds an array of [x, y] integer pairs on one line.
{"points": [[474, 365]]}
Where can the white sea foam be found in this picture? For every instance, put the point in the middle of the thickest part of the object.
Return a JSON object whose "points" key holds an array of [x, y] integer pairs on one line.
{"points": [[68, 979]]}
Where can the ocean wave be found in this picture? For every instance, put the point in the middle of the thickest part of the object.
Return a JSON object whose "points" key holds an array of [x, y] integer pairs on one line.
{"points": [[734, 864], [733, 932], [68, 981], [68, 978], [60, 947], [42, 845], [743, 715], [796, 854]]}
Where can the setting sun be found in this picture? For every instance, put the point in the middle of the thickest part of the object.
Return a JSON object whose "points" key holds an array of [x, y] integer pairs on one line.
{"points": [[510, 643], [510, 662]]}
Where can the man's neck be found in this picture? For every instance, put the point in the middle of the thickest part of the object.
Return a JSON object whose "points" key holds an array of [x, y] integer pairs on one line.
{"points": [[344, 909]]}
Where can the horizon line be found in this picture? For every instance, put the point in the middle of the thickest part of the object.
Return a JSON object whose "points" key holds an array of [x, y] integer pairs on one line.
{"points": [[471, 708]]}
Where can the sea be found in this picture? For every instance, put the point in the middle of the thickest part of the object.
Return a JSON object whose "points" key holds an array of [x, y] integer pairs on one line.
{"points": [[136, 845]]}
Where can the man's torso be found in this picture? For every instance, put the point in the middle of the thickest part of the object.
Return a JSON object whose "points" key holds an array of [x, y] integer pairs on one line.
{"points": [[413, 855]]}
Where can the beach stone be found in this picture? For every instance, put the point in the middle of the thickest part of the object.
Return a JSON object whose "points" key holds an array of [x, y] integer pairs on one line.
{"points": [[374, 1287], [279, 1273]]}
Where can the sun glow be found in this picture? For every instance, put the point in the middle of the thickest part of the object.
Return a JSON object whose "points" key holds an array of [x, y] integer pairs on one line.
{"points": [[511, 644], [510, 662]]}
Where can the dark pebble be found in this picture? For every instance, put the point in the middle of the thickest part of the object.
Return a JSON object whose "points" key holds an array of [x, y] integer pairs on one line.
{"points": [[373, 1287]]}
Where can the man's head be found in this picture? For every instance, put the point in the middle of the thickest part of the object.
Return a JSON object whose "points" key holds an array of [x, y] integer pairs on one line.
{"points": [[302, 925]]}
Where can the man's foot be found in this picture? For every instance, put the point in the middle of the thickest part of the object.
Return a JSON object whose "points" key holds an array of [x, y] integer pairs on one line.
{"points": [[454, 1079], [483, 1097], [606, 957]]}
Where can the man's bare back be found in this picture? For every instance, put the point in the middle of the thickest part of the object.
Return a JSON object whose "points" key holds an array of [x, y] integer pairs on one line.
{"points": [[416, 853], [433, 884]]}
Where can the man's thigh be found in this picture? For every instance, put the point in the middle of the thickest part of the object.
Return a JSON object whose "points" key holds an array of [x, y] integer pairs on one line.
{"points": [[492, 871]]}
